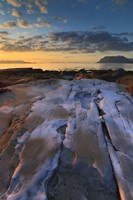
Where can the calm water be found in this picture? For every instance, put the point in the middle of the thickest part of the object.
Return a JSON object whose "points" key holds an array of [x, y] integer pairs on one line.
{"points": [[69, 66]]}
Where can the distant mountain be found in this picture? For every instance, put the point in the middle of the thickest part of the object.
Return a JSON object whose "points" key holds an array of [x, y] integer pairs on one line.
{"points": [[115, 59]]}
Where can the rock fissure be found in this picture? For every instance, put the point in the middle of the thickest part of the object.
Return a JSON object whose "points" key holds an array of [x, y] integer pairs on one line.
{"points": [[106, 136]]}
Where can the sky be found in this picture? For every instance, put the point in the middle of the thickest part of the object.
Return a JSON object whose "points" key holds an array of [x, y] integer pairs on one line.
{"points": [[65, 30]]}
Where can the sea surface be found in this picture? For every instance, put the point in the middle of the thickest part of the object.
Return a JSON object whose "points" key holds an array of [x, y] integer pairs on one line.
{"points": [[69, 66]]}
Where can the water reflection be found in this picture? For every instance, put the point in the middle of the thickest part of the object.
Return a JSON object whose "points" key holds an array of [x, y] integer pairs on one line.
{"points": [[70, 66]]}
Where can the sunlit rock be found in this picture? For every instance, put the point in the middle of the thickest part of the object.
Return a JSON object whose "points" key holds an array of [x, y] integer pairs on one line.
{"points": [[63, 139]]}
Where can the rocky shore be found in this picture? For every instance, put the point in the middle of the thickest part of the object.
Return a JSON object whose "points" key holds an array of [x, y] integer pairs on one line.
{"points": [[65, 136], [20, 75]]}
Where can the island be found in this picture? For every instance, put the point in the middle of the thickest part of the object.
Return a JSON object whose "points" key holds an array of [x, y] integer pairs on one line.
{"points": [[14, 62], [115, 59]]}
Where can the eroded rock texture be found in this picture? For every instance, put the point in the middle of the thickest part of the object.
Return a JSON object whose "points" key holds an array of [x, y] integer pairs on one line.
{"points": [[66, 140]]}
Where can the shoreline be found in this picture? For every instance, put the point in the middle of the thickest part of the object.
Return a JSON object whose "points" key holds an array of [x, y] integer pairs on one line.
{"points": [[21, 75]]}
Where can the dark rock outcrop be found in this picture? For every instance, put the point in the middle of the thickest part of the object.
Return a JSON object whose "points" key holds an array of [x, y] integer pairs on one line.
{"points": [[115, 59]]}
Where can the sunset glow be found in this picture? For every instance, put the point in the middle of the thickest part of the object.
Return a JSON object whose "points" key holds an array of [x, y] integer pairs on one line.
{"points": [[43, 31]]}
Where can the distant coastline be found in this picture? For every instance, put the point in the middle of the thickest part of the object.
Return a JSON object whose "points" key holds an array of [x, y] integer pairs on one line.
{"points": [[14, 62], [69, 66]]}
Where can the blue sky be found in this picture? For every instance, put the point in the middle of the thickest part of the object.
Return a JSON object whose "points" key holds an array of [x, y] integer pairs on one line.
{"points": [[72, 26]]}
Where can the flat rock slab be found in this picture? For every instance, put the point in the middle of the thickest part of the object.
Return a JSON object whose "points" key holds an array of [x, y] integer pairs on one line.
{"points": [[66, 140]]}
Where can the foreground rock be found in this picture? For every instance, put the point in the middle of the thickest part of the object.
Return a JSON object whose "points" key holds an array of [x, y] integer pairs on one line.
{"points": [[23, 75], [62, 140]]}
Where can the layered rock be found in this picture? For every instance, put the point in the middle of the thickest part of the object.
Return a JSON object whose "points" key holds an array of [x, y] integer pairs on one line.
{"points": [[64, 140]]}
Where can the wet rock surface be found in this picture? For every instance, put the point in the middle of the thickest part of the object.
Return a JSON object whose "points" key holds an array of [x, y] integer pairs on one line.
{"points": [[79, 180], [66, 140]]}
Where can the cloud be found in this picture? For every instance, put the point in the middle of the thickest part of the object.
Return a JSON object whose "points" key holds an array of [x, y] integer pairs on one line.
{"points": [[42, 5], [43, 24], [23, 44], [88, 42], [8, 25], [41, 2], [30, 11], [97, 28], [2, 12], [14, 3], [63, 20], [98, 7], [24, 24], [13, 47], [2, 39], [16, 13], [74, 42], [120, 1], [28, 4], [43, 10], [4, 33], [127, 34], [40, 24]]}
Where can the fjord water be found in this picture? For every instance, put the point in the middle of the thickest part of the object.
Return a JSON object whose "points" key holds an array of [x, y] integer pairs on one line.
{"points": [[70, 66]]}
